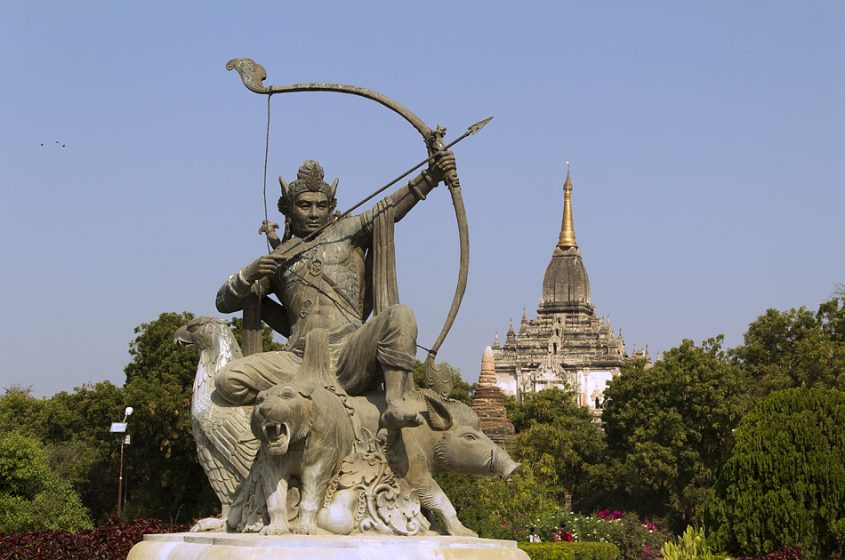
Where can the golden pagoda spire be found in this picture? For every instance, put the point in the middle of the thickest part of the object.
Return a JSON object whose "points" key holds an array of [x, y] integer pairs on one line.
{"points": [[567, 230]]}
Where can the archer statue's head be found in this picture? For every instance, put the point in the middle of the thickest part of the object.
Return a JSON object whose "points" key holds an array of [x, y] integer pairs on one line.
{"points": [[307, 202]]}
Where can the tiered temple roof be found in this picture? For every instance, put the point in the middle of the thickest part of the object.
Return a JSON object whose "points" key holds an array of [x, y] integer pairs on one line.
{"points": [[567, 345]]}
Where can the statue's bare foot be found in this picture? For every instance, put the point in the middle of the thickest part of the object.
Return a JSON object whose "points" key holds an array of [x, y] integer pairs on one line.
{"points": [[303, 528], [276, 529], [396, 417]]}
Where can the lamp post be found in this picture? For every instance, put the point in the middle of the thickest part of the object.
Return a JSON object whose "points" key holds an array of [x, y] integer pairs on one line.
{"points": [[120, 428]]}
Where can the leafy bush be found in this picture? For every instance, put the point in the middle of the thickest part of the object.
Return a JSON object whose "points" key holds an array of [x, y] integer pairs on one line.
{"points": [[111, 541], [570, 551], [692, 545], [784, 482], [499, 509], [783, 553], [32, 495]]}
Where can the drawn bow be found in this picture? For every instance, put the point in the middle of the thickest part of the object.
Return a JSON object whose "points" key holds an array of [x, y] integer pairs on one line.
{"points": [[253, 76]]}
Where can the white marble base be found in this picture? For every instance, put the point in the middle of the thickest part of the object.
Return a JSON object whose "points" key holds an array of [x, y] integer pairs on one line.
{"points": [[234, 546]]}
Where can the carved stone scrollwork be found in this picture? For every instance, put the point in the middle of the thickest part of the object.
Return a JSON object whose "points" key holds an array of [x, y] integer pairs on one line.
{"points": [[252, 74]]}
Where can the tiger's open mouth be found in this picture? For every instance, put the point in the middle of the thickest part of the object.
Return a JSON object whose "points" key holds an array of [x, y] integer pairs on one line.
{"points": [[277, 436]]}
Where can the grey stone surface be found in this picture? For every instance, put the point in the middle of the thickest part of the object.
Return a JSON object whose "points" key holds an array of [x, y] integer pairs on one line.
{"points": [[192, 546]]}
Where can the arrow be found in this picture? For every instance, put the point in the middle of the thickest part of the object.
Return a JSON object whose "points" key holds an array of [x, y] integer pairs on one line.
{"points": [[472, 129]]}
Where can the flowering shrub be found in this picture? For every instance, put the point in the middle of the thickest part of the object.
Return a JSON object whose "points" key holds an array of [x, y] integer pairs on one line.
{"points": [[608, 515], [110, 541], [636, 539]]}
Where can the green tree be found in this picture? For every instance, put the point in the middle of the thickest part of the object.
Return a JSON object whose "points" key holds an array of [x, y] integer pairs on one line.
{"points": [[19, 410], [796, 348], [543, 407], [74, 430], [500, 509], [784, 482], [668, 429], [564, 444], [155, 356], [80, 448], [32, 495], [162, 469]]}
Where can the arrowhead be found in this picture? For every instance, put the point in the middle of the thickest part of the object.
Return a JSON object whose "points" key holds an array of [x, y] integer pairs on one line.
{"points": [[478, 126]]}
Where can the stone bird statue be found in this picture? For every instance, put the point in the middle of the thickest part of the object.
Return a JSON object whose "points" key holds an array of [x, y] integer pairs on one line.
{"points": [[226, 447]]}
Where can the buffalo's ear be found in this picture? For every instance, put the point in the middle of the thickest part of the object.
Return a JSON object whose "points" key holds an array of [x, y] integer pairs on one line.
{"points": [[439, 417]]}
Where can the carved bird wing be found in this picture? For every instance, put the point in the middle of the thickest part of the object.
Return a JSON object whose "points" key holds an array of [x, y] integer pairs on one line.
{"points": [[226, 460], [226, 447], [230, 433]]}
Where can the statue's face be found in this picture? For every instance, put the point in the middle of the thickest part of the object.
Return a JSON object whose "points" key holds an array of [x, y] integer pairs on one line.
{"points": [[311, 211]]}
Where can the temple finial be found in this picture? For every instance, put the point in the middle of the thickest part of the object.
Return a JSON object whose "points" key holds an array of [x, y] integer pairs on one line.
{"points": [[510, 337], [567, 229], [488, 369]]}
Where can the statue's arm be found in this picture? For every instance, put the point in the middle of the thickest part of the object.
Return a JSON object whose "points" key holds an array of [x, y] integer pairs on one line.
{"points": [[230, 296], [274, 314], [417, 188], [408, 196]]}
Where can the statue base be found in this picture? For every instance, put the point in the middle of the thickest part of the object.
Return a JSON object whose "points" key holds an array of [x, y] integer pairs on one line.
{"points": [[238, 546]]}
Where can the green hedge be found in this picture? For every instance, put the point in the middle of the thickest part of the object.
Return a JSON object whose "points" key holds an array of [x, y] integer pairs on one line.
{"points": [[570, 550]]}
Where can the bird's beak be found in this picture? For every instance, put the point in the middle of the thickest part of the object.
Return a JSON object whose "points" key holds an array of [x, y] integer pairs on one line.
{"points": [[182, 337]]}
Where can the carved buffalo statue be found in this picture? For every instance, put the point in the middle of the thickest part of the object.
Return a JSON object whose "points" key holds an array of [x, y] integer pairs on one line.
{"points": [[449, 440]]}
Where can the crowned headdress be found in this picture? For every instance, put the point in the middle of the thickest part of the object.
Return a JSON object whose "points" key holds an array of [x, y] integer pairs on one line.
{"points": [[308, 178]]}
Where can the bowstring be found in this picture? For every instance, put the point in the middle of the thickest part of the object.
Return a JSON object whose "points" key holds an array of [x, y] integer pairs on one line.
{"points": [[287, 266]]}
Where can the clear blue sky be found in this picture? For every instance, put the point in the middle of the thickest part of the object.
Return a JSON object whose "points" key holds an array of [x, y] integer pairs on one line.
{"points": [[706, 141]]}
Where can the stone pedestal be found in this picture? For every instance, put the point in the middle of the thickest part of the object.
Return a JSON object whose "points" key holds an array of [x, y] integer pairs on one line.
{"points": [[235, 546]]}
